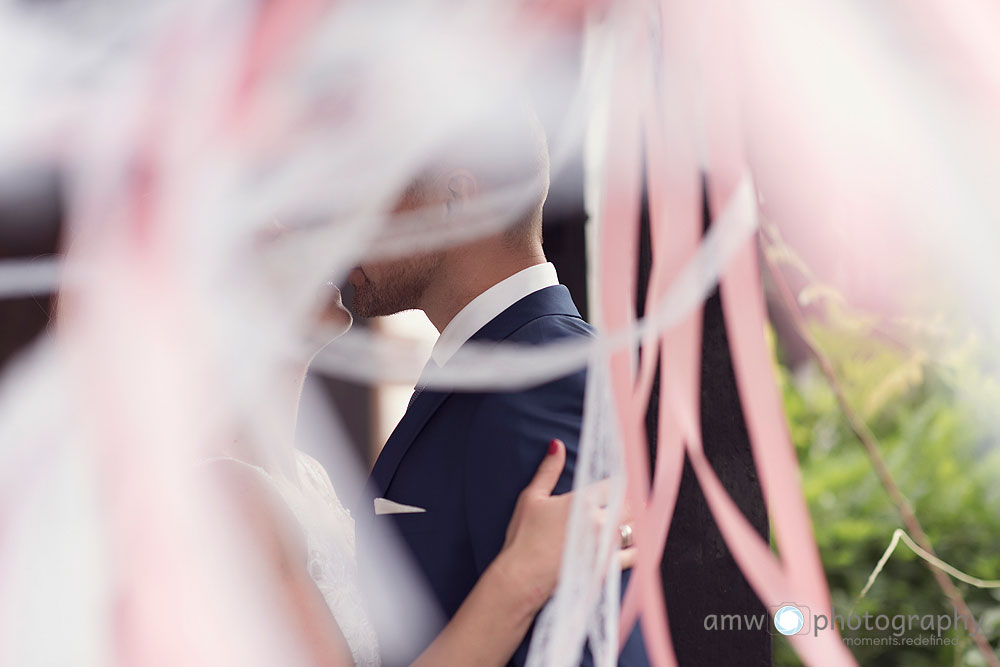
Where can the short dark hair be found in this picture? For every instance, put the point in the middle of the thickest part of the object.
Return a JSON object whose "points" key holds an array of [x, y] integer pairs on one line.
{"points": [[526, 231]]}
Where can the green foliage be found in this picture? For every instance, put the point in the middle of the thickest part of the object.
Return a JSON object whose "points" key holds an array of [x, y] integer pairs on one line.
{"points": [[933, 407]]}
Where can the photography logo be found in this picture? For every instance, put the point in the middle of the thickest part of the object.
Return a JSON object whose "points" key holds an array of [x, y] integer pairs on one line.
{"points": [[790, 619]]}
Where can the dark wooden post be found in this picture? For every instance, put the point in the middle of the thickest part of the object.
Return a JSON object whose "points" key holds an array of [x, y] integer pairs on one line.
{"points": [[700, 577], [30, 220]]}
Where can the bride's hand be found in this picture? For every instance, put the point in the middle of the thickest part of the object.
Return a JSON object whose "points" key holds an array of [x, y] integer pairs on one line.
{"points": [[497, 614], [536, 533]]}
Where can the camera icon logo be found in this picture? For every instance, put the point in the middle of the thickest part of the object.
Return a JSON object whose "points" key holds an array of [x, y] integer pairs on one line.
{"points": [[791, 619]]}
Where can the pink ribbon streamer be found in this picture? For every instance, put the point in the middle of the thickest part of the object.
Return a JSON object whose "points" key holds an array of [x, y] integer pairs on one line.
{"points": [[673, 173]]}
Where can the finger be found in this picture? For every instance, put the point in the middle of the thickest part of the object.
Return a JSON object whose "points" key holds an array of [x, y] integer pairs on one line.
{"points": [[597, 492], [625, 516], [602, 515], [549, 470], [627, 557], [600, 518]]}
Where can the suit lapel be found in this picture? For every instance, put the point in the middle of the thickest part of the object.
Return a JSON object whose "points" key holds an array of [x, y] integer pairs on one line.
{"points": [[553, 300], [424, 406]]}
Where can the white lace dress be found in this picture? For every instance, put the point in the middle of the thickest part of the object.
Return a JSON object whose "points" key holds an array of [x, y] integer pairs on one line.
{"points": [[329, 532]]}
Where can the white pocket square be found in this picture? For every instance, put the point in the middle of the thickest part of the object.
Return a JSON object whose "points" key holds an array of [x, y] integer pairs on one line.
{"points": [[385, 506]]}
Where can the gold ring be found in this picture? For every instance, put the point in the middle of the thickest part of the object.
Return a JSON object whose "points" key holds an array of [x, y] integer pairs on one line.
{"points": [[625, 530]]}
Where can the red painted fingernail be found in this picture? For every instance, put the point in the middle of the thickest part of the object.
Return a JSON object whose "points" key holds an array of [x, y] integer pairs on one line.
{"points": [[553, 447]]}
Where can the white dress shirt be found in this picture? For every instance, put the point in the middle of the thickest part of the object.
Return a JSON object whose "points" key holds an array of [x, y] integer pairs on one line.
{"points": [[478, 312]]}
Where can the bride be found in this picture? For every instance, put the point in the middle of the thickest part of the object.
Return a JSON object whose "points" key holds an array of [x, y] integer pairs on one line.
{"points": [[307, 538]]}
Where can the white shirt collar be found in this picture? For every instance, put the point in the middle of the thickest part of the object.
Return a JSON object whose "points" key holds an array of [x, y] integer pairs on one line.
{"points": [[478, 312]]}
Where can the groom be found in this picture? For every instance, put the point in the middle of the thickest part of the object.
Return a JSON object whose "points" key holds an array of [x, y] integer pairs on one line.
{"points": [[463, 458]]}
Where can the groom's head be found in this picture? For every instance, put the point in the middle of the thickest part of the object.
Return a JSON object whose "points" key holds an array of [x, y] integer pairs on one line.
{"points": [[485, 190]]}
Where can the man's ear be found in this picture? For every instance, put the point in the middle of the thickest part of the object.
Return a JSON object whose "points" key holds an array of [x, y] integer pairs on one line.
{"points": [[462, 187]]}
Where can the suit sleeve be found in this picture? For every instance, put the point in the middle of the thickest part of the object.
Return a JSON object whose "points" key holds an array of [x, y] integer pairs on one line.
{"points": [[507, 440], [508, 436]]}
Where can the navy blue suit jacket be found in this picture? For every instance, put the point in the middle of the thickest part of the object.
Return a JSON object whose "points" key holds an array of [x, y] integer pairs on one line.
{"points": [[465, 458]]}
